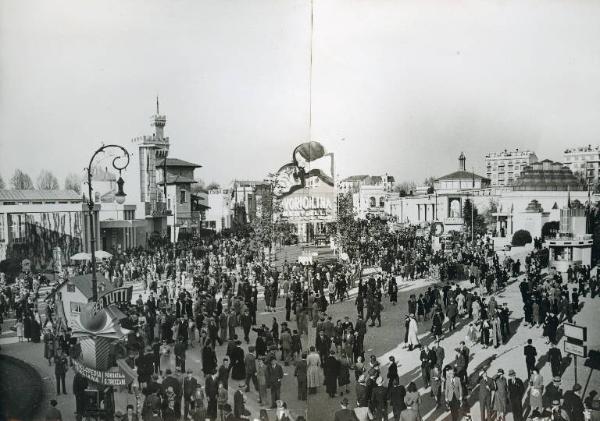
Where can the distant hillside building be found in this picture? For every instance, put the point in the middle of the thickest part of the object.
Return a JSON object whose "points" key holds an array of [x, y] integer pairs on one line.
{"points": [[584, 158], [503, 168]]}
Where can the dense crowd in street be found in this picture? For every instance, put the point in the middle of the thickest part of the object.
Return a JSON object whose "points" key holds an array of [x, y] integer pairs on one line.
{"points": [[205, 294]]}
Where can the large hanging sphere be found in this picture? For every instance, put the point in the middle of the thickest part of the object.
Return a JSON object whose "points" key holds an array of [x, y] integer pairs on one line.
{"points": [[90, 321]]}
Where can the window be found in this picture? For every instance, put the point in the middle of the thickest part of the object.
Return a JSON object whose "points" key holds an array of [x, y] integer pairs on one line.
{"points": [[169, 204], [2, 227], [182, 197], [76, 307], [372, 202], [381, 202]]}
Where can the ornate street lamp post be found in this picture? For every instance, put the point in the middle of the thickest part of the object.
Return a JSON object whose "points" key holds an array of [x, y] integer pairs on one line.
{"points": [[119, 198]]}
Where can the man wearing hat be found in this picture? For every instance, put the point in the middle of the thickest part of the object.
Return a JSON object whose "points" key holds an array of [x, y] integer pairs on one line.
{"points": [[379, 401], [500, 404], [573, 403], [515, 395], [409, 413], [239, 402], [553, 392], [486, 386], [345, 414], [361, 391], [189, 387]]}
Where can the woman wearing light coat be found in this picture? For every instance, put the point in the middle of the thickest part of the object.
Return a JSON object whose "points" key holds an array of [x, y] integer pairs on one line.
{"points": [[413, 330], [314, 373], [536, 390]]}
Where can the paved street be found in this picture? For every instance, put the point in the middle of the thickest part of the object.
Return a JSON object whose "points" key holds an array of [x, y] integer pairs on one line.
{"points": [[32, 353], [387, 340]]}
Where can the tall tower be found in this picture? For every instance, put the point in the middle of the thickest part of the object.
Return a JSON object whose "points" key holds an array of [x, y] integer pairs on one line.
{"points": [[152, 149], [462, 162]]}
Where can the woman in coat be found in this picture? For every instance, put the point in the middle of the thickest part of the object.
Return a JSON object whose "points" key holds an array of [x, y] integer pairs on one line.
{"points": [[209, 359], [27, 327], [344, 374], [314, 374], [536, 383], [500, 404], [49, 346], [413, 340], [332, 371]]}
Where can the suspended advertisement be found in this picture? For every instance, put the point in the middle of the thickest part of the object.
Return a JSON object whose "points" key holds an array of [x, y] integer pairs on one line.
{"points": [[305, 186], [305, 205]]}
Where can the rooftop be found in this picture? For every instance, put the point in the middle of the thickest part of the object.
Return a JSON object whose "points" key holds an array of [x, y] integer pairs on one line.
{"points": [[588, 148], [38, 195], [176, 162], [84, 284], [547, 175], [508, 154], [462, 175]]}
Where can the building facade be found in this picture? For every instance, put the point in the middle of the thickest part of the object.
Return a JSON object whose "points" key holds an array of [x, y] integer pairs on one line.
{"points": [[142, 183], [219, 215], [584, 162], [503, 168], [180, 178], [35, 224]]}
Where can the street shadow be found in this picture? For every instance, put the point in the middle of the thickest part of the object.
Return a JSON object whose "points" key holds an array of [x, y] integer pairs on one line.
{"points": [[513, 326]]}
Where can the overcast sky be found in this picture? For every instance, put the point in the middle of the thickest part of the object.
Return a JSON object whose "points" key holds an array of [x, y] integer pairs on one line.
{"points": [[398, 86]]}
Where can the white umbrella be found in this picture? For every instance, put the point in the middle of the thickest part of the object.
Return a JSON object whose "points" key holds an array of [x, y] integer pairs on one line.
{"points": [[81, 256], [101, 254]]}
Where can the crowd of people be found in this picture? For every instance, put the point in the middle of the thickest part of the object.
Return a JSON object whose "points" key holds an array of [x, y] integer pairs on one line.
{"points": [[206, 295]]}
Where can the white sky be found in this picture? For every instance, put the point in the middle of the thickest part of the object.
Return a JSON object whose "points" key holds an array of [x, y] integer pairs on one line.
{"points": [[407, 84]]}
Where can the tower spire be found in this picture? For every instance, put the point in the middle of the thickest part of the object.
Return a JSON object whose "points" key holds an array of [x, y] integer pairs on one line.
{"points": [[157, 106]]}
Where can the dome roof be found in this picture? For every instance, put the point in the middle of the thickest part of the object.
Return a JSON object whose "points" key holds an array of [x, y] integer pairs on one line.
{"points": [[547, 175]]}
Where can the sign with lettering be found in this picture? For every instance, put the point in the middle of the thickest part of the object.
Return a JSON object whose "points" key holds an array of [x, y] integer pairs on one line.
{"points": [[106, 378], [576, 349], [309, 205], [116, 296]]}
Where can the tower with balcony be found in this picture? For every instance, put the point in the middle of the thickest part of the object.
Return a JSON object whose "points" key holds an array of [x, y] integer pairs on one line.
{"points": [[153, 149]]}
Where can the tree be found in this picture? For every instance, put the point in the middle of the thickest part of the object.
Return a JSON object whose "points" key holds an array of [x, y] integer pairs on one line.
{"points": [[2, 186], [198, 186], [429, 181], [408, 187], [550, 229], [73, 182], [348, 226], [520, 238], [264, 226], [46, 181], [213, 185], [473, 220], [488, 214], [21, 181]]}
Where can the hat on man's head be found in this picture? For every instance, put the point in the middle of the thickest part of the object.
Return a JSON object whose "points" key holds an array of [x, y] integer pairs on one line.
{"points": [[361, 379], [556, 379], [555, 402], [344, 402], [500, 371], [511, 372], [379, 381], [576, 387]]}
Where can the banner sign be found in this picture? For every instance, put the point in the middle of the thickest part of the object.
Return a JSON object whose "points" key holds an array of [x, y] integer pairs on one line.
{"points": [[116, 296], [308, 206], [106, 378]]}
